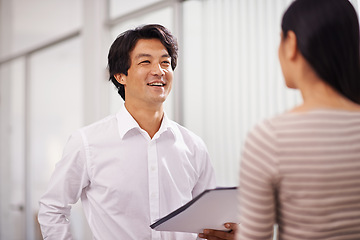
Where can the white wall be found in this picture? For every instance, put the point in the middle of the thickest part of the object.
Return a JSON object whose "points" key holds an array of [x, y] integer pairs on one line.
{"points": [[231, 74]]}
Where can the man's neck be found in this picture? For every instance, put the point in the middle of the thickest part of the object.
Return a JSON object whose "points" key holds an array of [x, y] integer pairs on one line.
{"points": [[148, 119]]}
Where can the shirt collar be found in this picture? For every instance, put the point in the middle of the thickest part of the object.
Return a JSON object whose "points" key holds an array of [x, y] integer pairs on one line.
{"points": [[126, 124], [166, 126]]}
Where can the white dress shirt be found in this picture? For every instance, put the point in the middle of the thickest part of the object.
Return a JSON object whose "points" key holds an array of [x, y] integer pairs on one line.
{"points": [[125, 179]]}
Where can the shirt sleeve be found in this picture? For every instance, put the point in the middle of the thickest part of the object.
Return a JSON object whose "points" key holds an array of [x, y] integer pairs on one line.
{"points": [[258, 171], [206, 178], [66, 184]]}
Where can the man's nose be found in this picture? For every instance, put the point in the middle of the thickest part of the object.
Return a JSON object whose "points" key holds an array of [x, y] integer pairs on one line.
{"points": [[157, 70]]}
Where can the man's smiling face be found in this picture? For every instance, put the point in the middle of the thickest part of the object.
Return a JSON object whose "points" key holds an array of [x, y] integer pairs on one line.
{"points": [[150, 75]]}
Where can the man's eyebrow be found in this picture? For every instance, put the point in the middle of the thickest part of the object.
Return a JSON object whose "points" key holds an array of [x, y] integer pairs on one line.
{"points": [[140, 55]]}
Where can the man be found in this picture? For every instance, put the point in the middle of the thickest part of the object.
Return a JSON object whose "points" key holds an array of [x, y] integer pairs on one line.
{"points": [[134, 167]]}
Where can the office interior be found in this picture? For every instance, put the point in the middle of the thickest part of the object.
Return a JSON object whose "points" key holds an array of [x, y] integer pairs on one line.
{"points": [[53, 80]]}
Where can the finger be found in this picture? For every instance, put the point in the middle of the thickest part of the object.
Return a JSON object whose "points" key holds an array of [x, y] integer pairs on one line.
{"points": [[214, 238], [216, 234], [203, 235], [231, 226]]}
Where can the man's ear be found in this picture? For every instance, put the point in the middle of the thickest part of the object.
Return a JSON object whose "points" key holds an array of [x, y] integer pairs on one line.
{"points": [[121, 78], [291, 48]]}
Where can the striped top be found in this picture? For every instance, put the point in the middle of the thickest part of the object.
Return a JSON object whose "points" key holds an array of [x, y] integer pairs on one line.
{"points": [[302, 172]]}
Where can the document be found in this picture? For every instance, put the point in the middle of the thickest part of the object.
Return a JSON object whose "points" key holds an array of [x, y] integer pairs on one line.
{"points": [[209, 210]]}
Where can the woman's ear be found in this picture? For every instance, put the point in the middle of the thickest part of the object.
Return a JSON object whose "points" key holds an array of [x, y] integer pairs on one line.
{"points": [[291, 49], [120, 77]]}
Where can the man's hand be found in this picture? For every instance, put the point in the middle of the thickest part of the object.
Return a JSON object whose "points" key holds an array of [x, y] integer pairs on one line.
{"points": [[220, 235]]}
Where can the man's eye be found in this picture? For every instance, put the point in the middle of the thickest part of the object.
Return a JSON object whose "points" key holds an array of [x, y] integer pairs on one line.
{"points": [[145, 62], [166, 62]]}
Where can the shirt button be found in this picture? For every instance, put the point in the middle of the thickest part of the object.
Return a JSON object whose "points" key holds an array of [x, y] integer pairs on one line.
{"points": [[153, 195], [153, 168]]}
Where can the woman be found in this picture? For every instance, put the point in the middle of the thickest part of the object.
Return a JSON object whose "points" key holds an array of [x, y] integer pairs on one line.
{"points": [[301, 169]]}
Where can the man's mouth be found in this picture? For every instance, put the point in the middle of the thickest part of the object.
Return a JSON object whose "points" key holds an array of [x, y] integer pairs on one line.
{"points": [[157, 84]]}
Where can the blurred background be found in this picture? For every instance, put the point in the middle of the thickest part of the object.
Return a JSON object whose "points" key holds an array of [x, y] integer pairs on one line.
{"points": [[53, 80]]}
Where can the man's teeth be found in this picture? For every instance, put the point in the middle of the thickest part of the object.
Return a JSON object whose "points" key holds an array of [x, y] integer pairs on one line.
{"points": [[156, 84]]}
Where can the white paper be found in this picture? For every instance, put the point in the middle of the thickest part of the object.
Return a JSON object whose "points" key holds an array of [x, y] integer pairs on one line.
{"points": [[210, 210]]}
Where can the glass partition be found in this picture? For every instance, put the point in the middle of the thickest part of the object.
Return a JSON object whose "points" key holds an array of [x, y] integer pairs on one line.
{"points": [[55, 111], [34, 22], [12, 88], [118, 8]]}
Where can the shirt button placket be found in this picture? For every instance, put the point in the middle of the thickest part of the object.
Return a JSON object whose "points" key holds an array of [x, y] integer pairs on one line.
{"points": [[153, 185]]}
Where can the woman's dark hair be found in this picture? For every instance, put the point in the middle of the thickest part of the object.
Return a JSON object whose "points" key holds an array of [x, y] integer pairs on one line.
{"points": [[327, 34], [119, 54]]}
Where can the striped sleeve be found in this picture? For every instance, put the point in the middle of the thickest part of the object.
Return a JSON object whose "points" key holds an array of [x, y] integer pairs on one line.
{"points": [[258, 173]]}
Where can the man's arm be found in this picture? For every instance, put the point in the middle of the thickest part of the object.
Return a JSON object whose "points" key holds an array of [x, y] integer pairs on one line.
{"points": [[68, 180], [206, 178]]}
